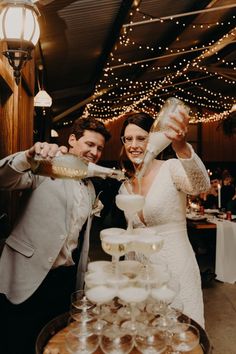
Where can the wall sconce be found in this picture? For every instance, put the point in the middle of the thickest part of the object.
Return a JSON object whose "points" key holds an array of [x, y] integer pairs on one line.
{"points": [[19, 28]]}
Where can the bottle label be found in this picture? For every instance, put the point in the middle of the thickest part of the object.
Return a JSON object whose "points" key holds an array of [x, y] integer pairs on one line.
{"points": [[202, 211], [229, 215]]}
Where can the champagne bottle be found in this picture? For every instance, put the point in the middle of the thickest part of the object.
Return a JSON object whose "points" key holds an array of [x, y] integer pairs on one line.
{"points": [[157, 140], [71, 166]]}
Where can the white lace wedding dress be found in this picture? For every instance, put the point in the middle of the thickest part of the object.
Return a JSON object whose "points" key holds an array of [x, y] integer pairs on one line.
{"points": [[165, 210]]}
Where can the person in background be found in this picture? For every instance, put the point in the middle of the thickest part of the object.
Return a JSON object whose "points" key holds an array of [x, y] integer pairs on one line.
{"points": [[165, 186], [228, 182], [210, 199], [38, 265], [231, 205], [227, 190]]}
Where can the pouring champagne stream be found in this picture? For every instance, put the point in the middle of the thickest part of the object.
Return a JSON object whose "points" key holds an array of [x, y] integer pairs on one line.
{"points": [[130, 204]]}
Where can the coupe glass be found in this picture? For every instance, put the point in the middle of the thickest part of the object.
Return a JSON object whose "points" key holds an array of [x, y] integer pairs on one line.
{"points": [[80, 307], [78, 343], [116, 231], [164, 295], [130, 268], [147, 242], [130, 204], [184, 338], [175, 313], [112, 315], [116, 246], [150, 340], [133, 293], [159, 272], [100, 267], [93, 279], [112, 231], [100, 295], [116, 340]]}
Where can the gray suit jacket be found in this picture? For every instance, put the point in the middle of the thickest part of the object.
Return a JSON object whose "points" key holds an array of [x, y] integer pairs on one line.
{"points": [[39, 233]]}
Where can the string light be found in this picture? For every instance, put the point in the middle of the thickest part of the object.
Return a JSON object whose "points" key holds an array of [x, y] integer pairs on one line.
{"points": [[181, 15], [126, 95]]}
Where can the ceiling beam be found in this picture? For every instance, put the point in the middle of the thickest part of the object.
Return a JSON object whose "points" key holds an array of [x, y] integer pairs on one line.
{"points": [[156, 58], [78, 105], [122, 16], [174, 32], [184, 14]]}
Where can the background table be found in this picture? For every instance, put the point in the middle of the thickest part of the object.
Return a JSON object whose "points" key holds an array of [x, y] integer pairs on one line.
{"points": [[225, 263], [219, 239], [201, 224], [202, 235]]}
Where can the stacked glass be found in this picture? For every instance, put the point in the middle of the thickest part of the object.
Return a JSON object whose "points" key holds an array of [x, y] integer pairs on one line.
{"points": [[128, 303]]}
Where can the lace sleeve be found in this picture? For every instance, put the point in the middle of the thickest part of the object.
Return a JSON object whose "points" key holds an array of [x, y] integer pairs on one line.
{"points": [[190, 175]]}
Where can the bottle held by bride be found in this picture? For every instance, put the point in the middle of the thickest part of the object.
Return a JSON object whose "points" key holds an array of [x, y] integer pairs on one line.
{"points": [[157, 140], [71, 166]]}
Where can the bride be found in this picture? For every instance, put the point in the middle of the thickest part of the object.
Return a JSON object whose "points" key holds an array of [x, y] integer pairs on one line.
{"points": [[165, 185]]}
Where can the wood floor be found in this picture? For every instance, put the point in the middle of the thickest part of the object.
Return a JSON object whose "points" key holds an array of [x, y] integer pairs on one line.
{"points": [[220, 316]]}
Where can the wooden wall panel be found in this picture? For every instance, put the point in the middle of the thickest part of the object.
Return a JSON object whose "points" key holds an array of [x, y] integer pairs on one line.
{"points": [[216, 146], [25, 120], [6, 122]]}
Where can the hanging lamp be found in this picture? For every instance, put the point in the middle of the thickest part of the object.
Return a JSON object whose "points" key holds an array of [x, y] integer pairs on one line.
{"points": [[42, 98]]}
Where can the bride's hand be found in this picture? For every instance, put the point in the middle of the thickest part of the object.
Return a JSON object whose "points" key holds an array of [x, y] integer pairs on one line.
{"points": [[177, 131]]}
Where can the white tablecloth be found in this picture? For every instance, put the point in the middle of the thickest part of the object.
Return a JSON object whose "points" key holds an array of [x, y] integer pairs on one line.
{"points": [[225, 268]]}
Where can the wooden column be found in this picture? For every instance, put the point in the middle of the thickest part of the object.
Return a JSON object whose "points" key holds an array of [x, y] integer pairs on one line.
{"points": [[16, 127]]}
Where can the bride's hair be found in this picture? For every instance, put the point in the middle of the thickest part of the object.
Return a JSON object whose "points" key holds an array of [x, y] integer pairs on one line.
{"points": [[142, 120]]}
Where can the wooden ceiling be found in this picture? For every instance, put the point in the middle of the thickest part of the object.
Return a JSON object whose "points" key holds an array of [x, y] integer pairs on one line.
{"points": [[108, 56]]}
